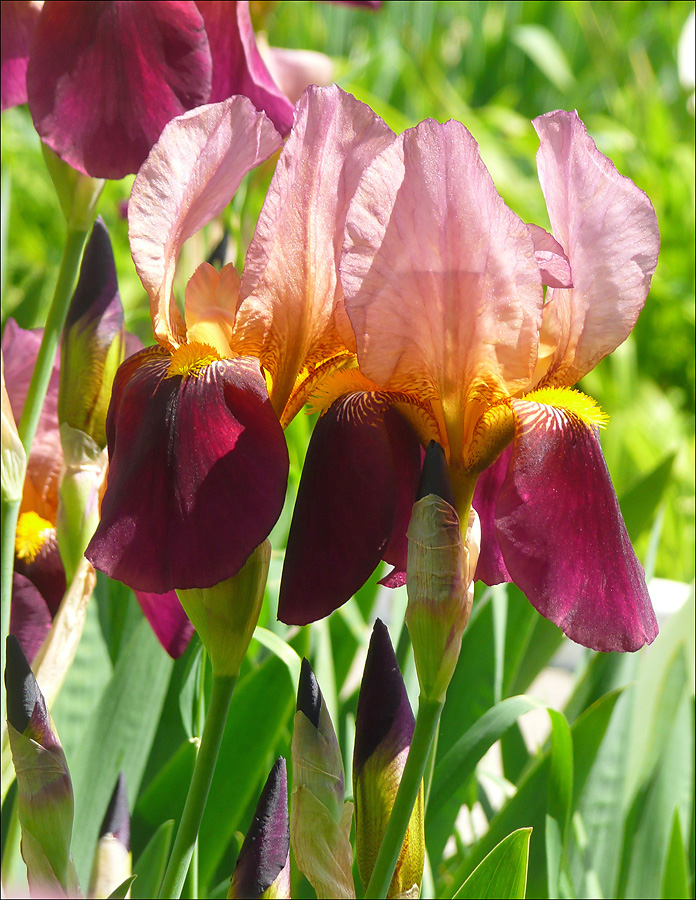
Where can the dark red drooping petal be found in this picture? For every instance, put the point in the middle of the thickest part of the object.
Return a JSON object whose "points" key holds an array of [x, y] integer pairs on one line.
{"points": [[104, 79], [237, 64], [30, 617], [168, 620], [18, 20], [562, 535], [197, 473], [347, 506], [491, 566]]}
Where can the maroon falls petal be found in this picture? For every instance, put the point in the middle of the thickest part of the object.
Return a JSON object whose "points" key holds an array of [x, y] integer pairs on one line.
{"points": [[105, 78], [167, 619], [346, 506], [491, 566], [30, 618], [563, 537], [198, 471], [18, 20]]}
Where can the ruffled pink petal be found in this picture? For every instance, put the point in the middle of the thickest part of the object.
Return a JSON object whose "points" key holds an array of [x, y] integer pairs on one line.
{"points": [[440, 279], [17, 21], [491, 567], [608, 228], [105, 78], [553, 263], [562, 535], [189, 177], [348, 504], [197, 474], [238, 67], [289, 286], [30, 617], [170, 623], [20, 347]]}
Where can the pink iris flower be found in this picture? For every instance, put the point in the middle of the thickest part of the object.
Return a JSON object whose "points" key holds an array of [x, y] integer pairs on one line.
{"points": [[103, 78], [457, 341], [198, 461]]}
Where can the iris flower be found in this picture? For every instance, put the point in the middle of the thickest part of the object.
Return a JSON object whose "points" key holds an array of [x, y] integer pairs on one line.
{"points": [[198, 461], [102, 79], [458, 342]]}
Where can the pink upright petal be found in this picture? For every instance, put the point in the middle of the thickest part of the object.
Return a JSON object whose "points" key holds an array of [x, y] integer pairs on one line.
{"points": [[289, 286], [189, 177], [238, 67], [197, 474], [295, 70], [348, 504], [440, 278], [608, 228], [553, 263], [170, 623], [20, 347], [562, 535], [17, 20], [104, 78]]}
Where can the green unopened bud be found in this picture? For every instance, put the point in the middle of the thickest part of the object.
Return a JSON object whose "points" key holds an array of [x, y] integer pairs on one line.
{"points": [[263, 865], [319, 819], [225, 615], [383, 732], [93, 343], [112, 858], [78, 194], [14, 459], [439, 578], [44, 790]]}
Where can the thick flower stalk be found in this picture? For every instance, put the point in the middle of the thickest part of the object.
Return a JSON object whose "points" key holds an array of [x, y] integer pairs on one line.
{"points": [[319, 819], [456, 339], [263, 864], [44, 790], [383, 731]]}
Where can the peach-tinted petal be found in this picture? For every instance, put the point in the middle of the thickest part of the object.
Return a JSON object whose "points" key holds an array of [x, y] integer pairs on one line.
{"points": [[562, 536], [189, 177], [210, 307], [104, 78], [238, 66], [18, 19], [440, 278], [20, 349], [289, 285], [608, 229]]}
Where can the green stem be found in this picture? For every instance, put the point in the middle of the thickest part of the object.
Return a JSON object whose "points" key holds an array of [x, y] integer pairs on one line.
{"points": [[220, 697], [67, 276], [427, 723]]}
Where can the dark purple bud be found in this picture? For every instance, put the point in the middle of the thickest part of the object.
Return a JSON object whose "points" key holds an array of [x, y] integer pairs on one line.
{"points": [[117, 818], [384, 718], [435, 476], [309, 699], [265, 855]]}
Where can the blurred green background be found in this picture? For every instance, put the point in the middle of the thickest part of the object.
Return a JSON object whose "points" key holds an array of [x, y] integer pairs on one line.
{"points": [[493, 66]]}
